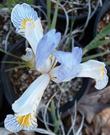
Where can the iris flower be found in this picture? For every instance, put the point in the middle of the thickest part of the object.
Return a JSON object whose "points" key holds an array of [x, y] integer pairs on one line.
{"points": [[26, 106], [53, 65]]}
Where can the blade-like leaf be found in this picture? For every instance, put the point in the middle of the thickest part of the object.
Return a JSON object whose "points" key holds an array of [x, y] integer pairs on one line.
{"points": [[98, 40], [55, 16]]}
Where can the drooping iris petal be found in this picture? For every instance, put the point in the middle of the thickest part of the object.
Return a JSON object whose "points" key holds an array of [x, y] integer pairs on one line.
{"points": [[22, 13], [11, 124], [95, 70], [34, 33], [17, 123], [69, 59], [70, 65], [27, 24], [31, 98], [46, 46]]}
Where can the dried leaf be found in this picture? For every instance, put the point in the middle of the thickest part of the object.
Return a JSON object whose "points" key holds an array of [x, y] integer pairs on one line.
{"points": [[93, 103], [102, 122]]}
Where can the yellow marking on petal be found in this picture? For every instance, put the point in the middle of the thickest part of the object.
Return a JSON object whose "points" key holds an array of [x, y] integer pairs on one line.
{"points": [[24, 120], [24, 21], [102, 71]]}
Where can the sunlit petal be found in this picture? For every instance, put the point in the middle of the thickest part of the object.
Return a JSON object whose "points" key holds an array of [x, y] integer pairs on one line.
{"points": [[31, 98], [96, 70], [46, 46]]}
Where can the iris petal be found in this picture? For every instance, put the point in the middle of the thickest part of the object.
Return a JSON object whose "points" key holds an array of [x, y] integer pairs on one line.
{"points": [[34, 33], [63, 74], [11, 124], [46, 46], [14, 125], [69, 59], [70, 65], [31, 98], [77, 55], [95, 70], [20, 12]]}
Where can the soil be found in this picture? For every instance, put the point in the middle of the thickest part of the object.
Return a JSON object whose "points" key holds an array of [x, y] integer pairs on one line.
{"points": [[7, 34]]}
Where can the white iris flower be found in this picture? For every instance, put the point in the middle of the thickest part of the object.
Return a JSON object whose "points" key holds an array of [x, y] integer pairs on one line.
{"points": [[46, 58], [26, 106]]}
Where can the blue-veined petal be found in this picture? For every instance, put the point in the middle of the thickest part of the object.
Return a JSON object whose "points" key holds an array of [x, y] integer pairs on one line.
{"points": [[16, 123], [46, 46], [95, 70], [69, 59], [31, 98], [22, 13], [34, 33], [63, 74], [11, 124], [70, 65]]}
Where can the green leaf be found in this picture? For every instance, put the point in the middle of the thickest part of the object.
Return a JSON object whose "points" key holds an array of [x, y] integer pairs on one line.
{"points": [[54, 117], [96, 44], [49, 12], [98, 40], [55, 16], [95, 56]]}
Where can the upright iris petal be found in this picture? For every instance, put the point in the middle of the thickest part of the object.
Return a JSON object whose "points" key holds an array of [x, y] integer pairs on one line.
{"points": [[70, 65], [96, 70], [69, 59], [45, 48]]}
